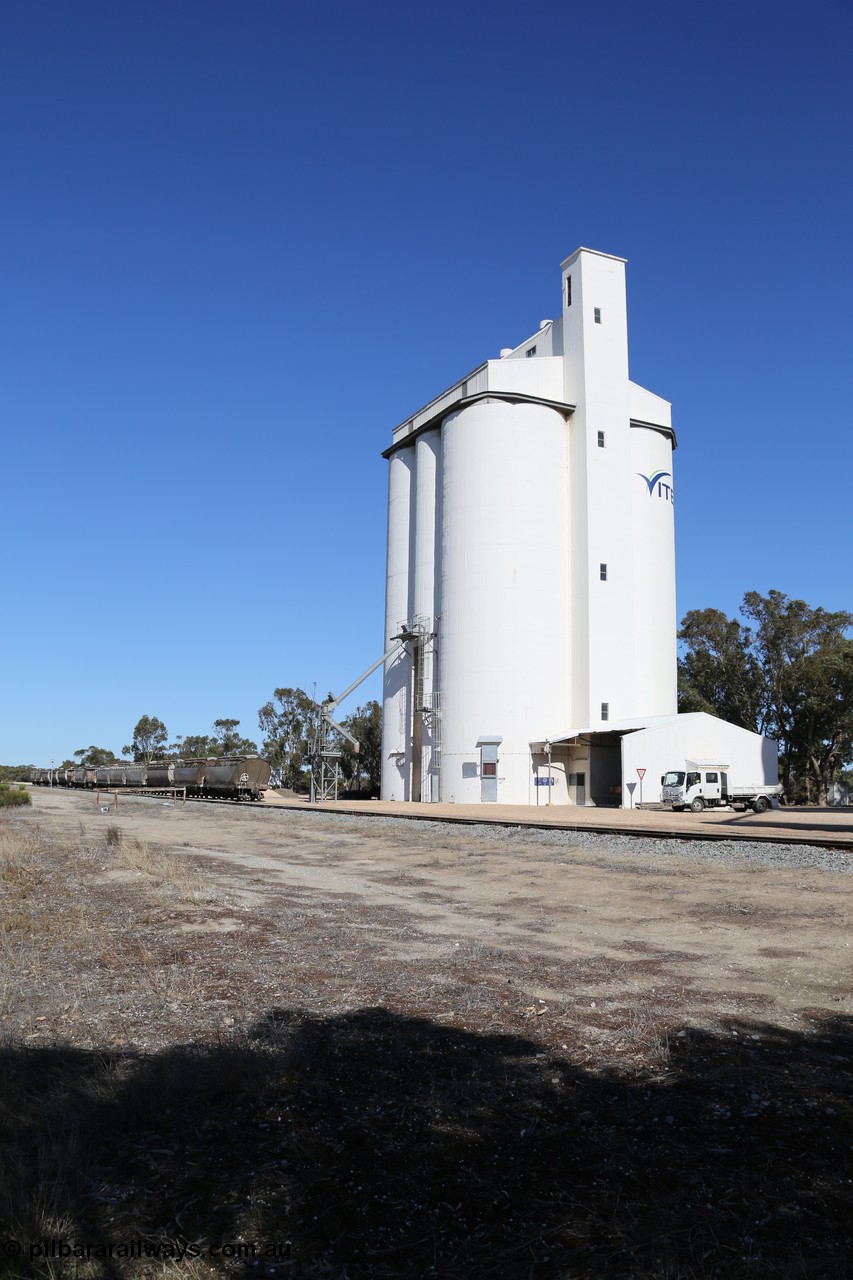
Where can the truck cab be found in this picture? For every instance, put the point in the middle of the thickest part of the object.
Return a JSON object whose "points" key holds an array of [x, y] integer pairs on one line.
{"points": [[708, 785], [694, 788]]}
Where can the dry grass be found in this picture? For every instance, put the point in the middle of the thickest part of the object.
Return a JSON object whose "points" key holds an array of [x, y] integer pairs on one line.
{"points": [[184, 1072], [19, 854], [22, 887], [161, 868]]}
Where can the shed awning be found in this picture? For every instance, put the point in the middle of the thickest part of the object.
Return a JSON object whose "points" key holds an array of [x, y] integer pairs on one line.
{"points": [[612, 726]]}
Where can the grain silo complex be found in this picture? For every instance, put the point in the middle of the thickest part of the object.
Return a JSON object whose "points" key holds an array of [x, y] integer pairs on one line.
{"points": [[531, 566]]}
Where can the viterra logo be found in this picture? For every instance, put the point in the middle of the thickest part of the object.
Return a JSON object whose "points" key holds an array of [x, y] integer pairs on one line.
{"points": [[656, 482]]}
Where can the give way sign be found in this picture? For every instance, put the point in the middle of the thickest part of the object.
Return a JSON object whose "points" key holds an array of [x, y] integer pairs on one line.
{"points": [[641, 773]]}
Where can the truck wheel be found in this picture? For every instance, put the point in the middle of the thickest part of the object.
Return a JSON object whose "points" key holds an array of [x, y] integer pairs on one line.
{"points": [[760, 805], [697, 805]]}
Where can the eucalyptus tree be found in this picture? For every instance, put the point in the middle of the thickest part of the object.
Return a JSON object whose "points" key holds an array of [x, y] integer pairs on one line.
{"points": [[149, 739], [290, 721], [786, 672]]}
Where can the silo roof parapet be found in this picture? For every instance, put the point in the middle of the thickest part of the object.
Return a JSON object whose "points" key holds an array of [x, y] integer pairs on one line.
{"points": [[614, 257], [417, 425]]}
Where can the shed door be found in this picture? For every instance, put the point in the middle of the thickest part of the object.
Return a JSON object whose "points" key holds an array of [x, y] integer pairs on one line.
{"points": [[488, 775]]}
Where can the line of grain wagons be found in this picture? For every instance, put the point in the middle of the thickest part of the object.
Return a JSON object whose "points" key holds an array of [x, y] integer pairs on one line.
{"points": [[218, 778]]}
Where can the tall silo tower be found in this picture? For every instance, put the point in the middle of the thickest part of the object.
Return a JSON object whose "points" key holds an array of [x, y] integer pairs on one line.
{"points": [[530, 559]]}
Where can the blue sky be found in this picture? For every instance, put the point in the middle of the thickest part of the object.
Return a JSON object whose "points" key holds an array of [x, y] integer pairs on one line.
{"points": [[241, 241]]}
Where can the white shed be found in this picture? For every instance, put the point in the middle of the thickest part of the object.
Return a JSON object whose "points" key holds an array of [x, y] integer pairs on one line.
{"points": [[651, 746]]}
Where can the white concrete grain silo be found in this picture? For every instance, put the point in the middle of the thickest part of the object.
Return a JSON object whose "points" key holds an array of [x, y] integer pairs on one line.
{"points": [[531, 562]]}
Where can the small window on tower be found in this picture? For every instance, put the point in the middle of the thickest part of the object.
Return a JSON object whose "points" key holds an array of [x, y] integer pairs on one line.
{"points": [[531, 351], [601, 439], [597, 315], [568, 291], [605, 710], [602, 569]]}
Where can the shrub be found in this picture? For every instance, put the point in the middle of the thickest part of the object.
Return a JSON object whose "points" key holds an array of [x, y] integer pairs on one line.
{"points": [[15, 772], [10, 796]]}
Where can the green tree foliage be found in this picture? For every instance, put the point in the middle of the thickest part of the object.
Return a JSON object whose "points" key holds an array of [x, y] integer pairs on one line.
{"points": [[827, 716], [224, 741], [789, 674], [289, 721], [195, 746], [15, 772], [805, 656], [718, 671], [149, 739], [362, 769], [94, 757], [231, 743]]}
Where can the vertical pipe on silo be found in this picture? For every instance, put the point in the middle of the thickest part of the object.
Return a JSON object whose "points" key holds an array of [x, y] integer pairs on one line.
{"points": [[396, 707], [426, 523]]}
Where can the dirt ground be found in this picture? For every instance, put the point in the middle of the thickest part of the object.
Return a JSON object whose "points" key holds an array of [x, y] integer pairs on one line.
{"points": [[683, 936], [493, 1053]]}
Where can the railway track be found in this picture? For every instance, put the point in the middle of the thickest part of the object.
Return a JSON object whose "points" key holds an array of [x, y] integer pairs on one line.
{"points": [[757, 829], [764, 829]]}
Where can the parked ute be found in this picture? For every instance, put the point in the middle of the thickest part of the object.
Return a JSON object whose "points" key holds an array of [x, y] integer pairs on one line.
{"points": [[696, 789]]}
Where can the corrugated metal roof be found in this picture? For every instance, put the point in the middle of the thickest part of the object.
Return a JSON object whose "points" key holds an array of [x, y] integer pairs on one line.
{"points": [[623, 726]]}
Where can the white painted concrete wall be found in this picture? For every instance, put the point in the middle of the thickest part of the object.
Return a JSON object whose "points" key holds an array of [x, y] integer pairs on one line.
{"points": [[505, 657], [396, 710], [500, 517], [596, 381], [653, 641], [534, 376], [426, 605]]}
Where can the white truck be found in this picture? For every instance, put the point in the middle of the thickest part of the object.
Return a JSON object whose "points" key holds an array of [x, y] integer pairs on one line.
{"points": [[697, 787]]}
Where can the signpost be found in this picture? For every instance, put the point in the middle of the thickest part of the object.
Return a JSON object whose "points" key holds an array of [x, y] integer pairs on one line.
{"points": [[541, 749], [641, 773], [632, 787]]}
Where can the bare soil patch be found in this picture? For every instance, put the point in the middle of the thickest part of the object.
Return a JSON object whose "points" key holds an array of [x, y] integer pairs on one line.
{"points": [[384, 1049]]}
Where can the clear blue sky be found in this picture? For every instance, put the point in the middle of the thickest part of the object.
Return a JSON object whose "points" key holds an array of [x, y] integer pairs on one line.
{"points": [[241, 241]]}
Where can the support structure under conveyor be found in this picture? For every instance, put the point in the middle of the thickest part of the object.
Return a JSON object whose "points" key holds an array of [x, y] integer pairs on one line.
{"points": [[325, 757]]}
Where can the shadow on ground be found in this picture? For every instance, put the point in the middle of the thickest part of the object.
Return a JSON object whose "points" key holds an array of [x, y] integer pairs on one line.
{"points": [[374, 1145], [821, 832]]}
